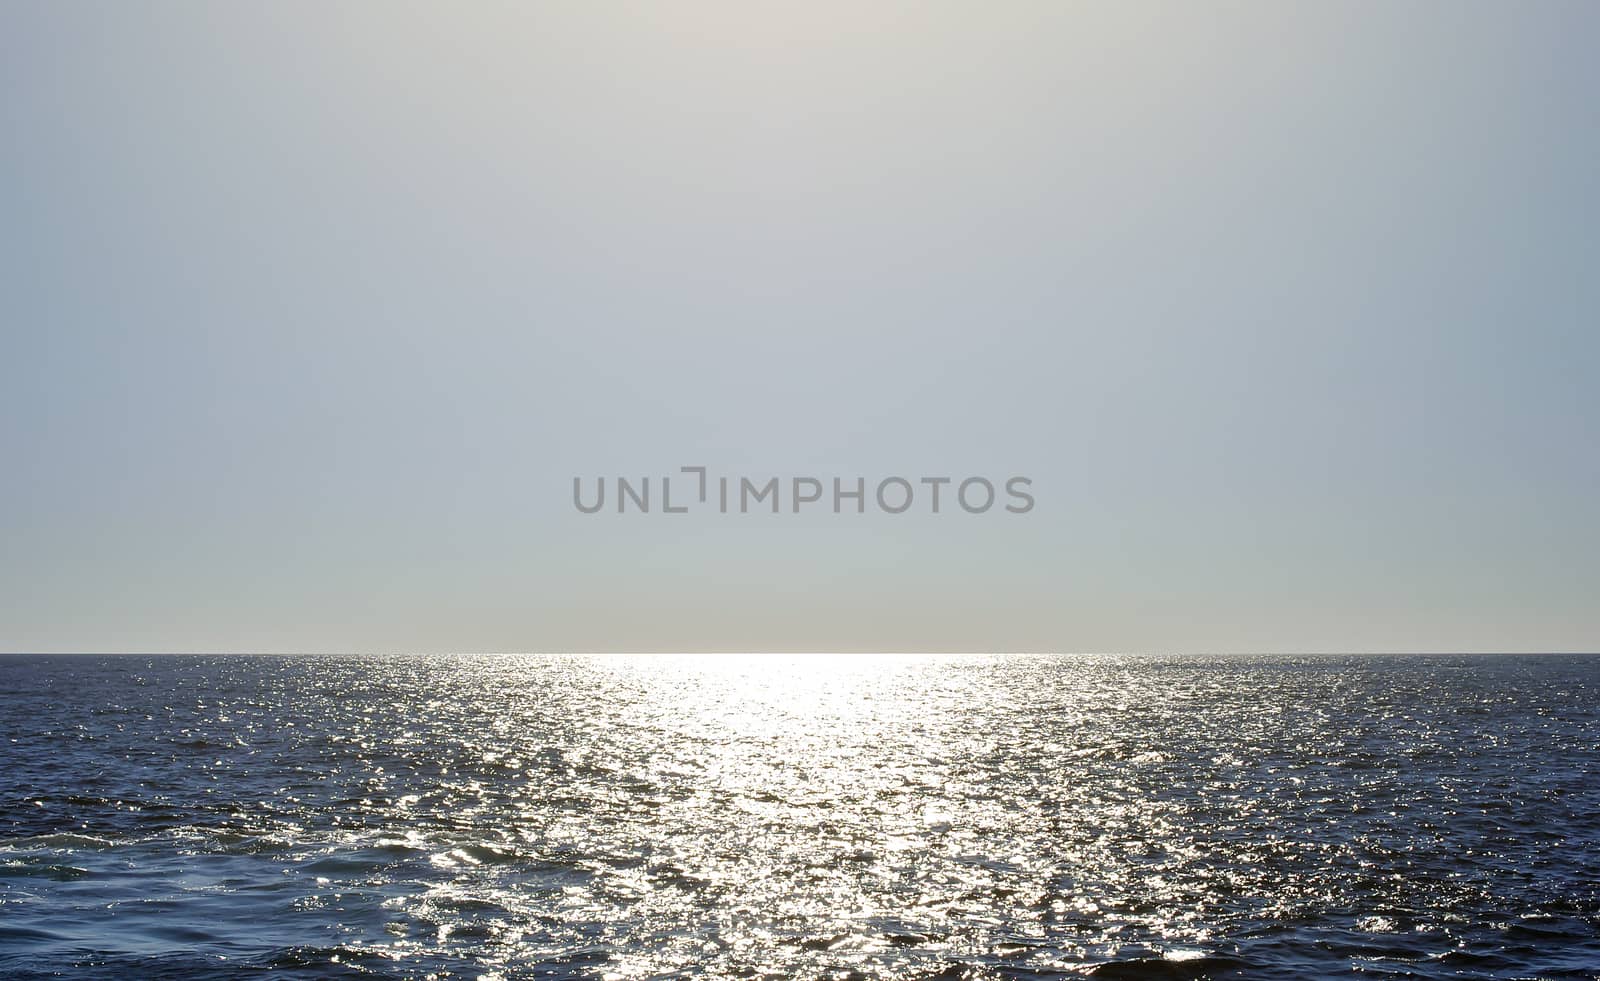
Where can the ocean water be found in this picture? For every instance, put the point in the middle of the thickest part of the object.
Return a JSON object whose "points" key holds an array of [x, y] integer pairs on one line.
{"points": [[831, 817]]}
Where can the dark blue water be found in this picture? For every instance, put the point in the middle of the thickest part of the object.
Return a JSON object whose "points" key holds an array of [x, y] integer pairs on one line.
{"points": [[978, 817]]}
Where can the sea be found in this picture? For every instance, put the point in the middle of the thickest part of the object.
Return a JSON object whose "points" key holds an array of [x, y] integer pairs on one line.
{"points": [[826, 816]]}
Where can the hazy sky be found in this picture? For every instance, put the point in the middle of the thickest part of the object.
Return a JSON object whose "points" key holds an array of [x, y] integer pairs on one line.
{"points": [[310, 313]]}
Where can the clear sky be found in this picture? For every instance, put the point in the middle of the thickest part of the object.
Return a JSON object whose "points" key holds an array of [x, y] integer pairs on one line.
{"points": [[310, 313]]}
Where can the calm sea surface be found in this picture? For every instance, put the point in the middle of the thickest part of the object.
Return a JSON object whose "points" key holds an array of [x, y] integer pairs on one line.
{"points": [[860, 817]]}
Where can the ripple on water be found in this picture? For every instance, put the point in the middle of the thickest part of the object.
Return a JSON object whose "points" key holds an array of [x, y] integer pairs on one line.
{"points": [[867, 817]]}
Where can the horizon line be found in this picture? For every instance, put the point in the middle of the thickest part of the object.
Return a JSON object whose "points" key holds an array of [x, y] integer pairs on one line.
{"points": [[1329, 652]]}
